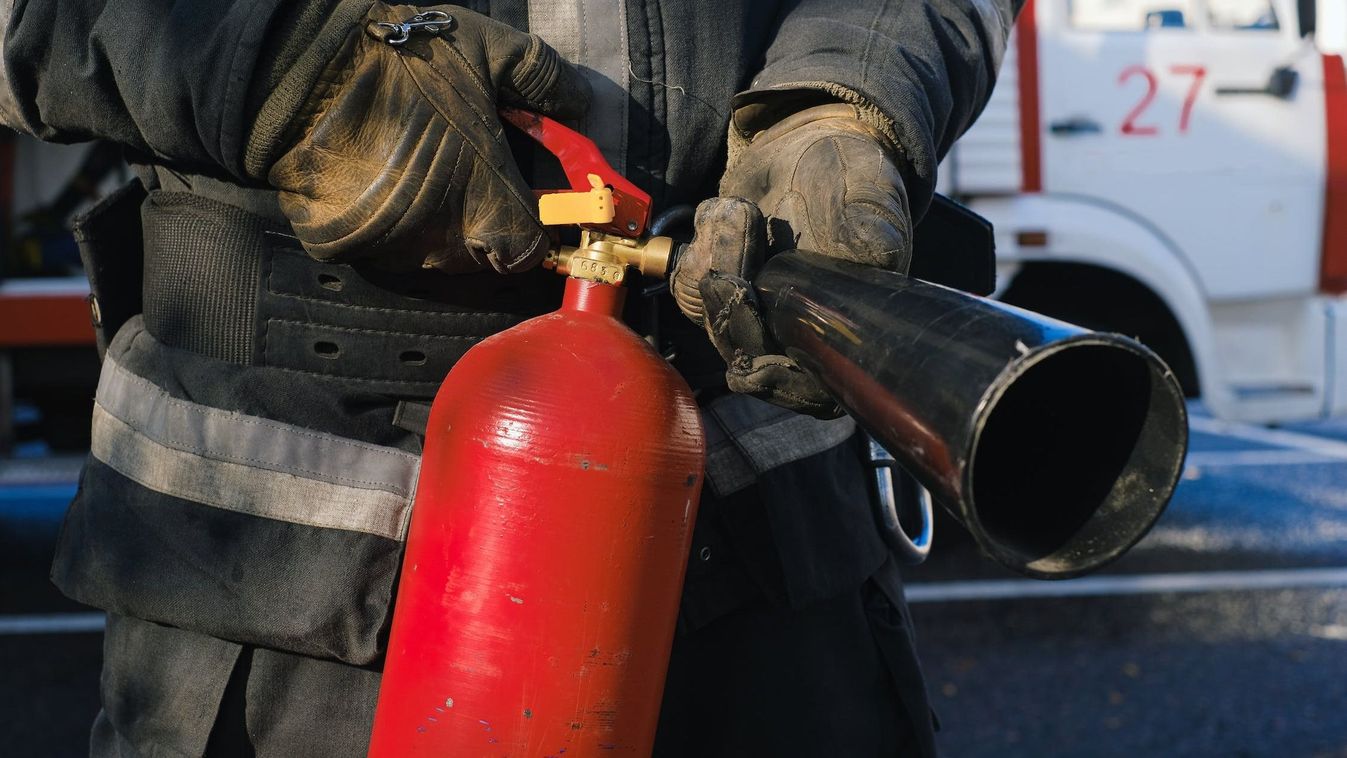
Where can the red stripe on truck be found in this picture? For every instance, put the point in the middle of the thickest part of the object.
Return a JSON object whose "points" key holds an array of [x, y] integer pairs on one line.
{"points": [[1026, 43], [1333, 255], [44, 320]]}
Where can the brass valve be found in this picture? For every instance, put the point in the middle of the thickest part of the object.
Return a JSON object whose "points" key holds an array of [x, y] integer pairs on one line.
{"points": [[606, 257], [601, 257]]}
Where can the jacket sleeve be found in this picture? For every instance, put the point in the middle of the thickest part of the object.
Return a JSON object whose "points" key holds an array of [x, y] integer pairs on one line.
{"points": [[174, 80], [920, 70]]}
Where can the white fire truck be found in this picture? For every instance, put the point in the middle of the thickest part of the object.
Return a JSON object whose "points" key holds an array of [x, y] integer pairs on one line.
{"points": [[1177, 170]]}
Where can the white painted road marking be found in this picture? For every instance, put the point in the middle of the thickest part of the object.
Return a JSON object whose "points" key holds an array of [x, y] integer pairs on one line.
{"points": [[1238, 458], [1128, 584], [51, 623], [1309, 443], [933, 592]]}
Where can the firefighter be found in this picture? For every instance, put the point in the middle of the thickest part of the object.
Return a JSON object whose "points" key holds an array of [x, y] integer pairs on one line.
{"points": [[328, 214]]}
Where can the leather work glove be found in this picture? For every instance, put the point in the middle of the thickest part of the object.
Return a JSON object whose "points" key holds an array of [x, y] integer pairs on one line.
{"points": [[826, 182], [398, 152]]}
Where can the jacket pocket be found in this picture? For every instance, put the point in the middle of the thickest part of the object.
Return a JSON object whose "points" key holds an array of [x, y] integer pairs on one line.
{"points": [[232, 525]]}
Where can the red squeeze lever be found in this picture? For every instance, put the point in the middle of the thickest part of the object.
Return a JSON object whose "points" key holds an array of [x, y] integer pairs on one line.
{"points": [[579, 158]]}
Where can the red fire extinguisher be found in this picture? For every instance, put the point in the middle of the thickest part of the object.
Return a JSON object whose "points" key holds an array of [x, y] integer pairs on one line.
{"points": [[553, 516]]}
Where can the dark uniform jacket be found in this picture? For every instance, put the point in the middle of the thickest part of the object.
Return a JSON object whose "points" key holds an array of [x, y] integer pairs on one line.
{"points": [[253, 462]]}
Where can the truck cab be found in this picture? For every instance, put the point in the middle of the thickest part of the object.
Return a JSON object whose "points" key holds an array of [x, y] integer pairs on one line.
{"points": [[1176, 170]]}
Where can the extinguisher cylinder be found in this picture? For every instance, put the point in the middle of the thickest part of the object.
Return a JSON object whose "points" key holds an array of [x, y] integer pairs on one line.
{"points": [[546, 551]]}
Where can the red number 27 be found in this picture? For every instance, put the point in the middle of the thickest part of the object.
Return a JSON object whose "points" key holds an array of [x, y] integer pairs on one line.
{"points": [[1130, 127]]}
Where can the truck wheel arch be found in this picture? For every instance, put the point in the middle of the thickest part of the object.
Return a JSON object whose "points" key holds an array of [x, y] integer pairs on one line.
{"points": [[1101, 298], [1079, 243]]}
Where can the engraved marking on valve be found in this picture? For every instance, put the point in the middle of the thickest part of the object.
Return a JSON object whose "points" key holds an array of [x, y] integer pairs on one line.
{"points": [[591, 269]]}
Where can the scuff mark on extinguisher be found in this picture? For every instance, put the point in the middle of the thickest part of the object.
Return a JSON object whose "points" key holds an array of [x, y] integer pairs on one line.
{"points": [[516, 600], [586, 464]]}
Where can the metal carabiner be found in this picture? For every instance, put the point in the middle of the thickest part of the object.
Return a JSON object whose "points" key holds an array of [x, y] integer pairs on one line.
{"points": [[888, 477], [433, 22]]}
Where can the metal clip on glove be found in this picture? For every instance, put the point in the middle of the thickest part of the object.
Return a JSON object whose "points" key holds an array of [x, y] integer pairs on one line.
{"points": [[825, 181], [396, 150]]}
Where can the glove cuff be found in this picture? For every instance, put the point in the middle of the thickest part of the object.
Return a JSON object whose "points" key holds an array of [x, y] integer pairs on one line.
{"points": [[283, 96], [755, 111]]}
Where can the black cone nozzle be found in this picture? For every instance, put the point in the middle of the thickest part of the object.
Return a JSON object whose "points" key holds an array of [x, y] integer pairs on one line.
{"points": [[1056, 447]]}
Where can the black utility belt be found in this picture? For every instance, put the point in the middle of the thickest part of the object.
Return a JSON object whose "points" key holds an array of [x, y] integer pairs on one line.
{"points": [[231, 285]]}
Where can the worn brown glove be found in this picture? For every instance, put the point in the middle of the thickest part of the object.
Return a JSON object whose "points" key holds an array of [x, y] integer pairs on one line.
{"points": [[827, 182], [397, 151]]}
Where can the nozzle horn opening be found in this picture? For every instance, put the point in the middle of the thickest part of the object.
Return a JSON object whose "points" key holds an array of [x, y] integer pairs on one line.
{"points": [[1076, 453]]}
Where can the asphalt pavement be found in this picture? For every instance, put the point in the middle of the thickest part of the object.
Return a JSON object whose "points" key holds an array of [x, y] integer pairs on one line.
{"points": [[1223, 633]]}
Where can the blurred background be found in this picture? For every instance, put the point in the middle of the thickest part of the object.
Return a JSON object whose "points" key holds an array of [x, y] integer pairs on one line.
{"points": [[1175, 170]]}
